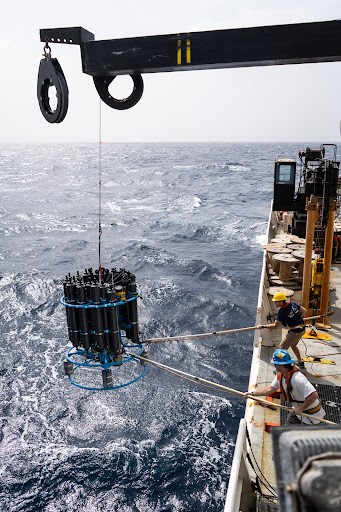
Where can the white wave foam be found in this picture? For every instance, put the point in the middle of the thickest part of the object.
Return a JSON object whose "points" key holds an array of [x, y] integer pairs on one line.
{"points": [[223, 279], [261, 239], [22, 216], [184, 203], [196, 202], [114, 207], [183, 167], [237, 167]]}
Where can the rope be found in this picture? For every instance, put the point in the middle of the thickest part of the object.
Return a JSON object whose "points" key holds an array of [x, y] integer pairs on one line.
{"points": [[214, 333], [200, 380], [100, 193]]}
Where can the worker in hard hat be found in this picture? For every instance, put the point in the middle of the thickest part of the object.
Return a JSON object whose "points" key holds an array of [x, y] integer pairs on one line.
{"points": [[295, 387], [289, 315]]}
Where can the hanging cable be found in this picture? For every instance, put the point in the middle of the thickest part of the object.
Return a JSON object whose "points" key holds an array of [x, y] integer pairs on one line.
{"points": [[100, 193], [263, 478]]}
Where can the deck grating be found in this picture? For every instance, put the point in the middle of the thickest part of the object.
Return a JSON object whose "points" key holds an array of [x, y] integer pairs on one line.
{"points": [[265, 504], [330, 397]]}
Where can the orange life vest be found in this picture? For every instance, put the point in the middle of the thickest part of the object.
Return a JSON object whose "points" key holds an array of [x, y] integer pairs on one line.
{"points": [[287, 393], [287, 378]]}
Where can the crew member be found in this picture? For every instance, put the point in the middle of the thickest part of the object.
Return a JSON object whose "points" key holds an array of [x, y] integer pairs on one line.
{"points": [[289, 315], [296, 388]]}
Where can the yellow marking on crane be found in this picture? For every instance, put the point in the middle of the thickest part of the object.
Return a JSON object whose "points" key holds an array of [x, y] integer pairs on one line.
{"points": [[188, 51], [178, 55]]}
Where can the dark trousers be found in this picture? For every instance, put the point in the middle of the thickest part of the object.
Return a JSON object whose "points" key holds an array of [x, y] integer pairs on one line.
{"points": [[292, 419]]}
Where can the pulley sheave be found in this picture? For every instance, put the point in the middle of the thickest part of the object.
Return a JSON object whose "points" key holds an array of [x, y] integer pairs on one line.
{"points": [[51, 75], [102, 85]]}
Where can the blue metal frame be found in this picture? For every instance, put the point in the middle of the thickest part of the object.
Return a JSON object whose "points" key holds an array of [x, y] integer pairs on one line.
{"points": [[104, 362], [104, 366]]}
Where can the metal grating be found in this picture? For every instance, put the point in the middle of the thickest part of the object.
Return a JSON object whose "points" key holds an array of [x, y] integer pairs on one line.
{"points": [[330, 397], [265, 504]]}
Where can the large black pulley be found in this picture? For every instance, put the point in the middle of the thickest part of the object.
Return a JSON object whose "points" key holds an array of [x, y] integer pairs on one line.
{"points": [[51, 75], [102, 86]]}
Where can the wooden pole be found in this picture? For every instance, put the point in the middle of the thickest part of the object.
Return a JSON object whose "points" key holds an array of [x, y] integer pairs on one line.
{"points": [[220, 386], [327, 261], [311, 208], [201, 335], [214, 333]]}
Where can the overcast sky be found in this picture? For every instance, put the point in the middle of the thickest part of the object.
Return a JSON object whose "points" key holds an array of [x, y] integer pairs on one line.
{"points": [[273, 103]]}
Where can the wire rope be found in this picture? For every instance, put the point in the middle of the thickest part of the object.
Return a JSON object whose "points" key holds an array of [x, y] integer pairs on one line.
{"points": [[269, 487], [100, 192]]}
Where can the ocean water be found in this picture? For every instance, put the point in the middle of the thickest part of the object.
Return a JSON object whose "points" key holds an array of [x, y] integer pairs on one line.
{"points": [[189, 220]]}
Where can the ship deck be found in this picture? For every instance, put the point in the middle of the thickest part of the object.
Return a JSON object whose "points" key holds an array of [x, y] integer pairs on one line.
{"points": [[253, 475], [323, 371], [325, 376]]}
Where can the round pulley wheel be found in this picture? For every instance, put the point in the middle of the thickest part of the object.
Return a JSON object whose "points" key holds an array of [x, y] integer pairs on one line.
{"points": [[102, 86], [51, 75]]}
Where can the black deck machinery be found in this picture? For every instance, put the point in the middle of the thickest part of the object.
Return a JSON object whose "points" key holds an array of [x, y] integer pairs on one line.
{"points": [[319, 177], [311, 201]]}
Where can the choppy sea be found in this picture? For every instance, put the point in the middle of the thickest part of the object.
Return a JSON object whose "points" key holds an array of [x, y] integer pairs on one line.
{"points": [[189, 220]]}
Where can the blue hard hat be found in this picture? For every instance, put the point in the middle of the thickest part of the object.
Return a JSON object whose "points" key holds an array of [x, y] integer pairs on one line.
{"points": [[282, 356]]}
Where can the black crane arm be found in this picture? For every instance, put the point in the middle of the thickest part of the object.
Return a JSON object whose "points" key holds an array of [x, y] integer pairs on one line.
{"points": [[256, 46]]}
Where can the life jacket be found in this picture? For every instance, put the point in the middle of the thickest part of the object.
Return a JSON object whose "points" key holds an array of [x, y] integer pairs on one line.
{"points": [[287, 393], [287, 378]]}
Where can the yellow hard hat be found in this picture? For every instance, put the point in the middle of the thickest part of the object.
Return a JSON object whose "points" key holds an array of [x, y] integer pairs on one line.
{"points": [[279, 296]]}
